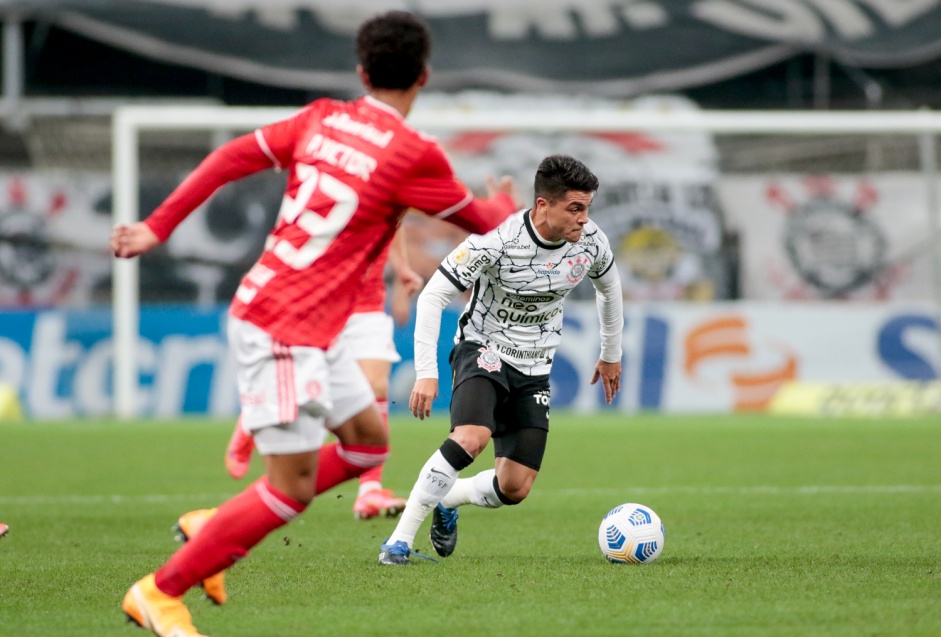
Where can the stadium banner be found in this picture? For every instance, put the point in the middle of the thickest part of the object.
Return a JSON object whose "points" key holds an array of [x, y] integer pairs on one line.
{"points": [[678, 357], [524, 45], [805, 237], [874, 400]]}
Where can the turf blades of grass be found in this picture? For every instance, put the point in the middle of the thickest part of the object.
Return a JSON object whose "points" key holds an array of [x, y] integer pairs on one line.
{"points": [[773, 527]]}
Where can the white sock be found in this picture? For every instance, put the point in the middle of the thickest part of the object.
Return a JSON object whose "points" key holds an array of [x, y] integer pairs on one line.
{"points": [[434, 481], [366, 487], [477, 490]]}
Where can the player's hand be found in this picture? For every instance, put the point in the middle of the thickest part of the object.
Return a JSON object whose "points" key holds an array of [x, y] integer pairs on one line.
{"points": [[610, 375], [423, 394], [506, 186], [130, 241]]}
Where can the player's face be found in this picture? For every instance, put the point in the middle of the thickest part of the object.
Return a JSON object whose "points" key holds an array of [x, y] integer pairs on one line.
{"points": [[565, 218]]}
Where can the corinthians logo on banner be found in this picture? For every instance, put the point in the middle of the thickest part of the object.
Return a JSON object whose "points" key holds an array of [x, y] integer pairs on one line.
{"points": [[30, 270], [656, 204], [830, 238]]}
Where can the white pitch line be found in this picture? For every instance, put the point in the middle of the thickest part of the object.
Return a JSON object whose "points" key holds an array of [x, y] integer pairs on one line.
{"points": [[212, 498], [760, 490], [215, 498]]}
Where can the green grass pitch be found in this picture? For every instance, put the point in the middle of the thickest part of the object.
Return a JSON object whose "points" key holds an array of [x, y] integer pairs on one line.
{"points": [[774, 526]]}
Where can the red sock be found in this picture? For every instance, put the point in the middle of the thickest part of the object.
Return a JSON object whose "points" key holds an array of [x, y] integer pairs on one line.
{"points": [[338, 463], [375, 473], [240, 524]]}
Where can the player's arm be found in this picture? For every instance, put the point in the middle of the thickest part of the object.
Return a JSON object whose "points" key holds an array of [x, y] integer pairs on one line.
{"points": [[433, 189], [437, 295], [268, 147], [406, 281], [611, 316]]}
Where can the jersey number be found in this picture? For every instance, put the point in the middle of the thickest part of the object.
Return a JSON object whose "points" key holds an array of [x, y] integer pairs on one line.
{"points": [[322, 230]]}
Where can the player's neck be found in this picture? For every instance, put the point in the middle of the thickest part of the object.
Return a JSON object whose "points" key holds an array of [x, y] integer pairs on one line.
{"points": [[542, 229], [399, 100]]}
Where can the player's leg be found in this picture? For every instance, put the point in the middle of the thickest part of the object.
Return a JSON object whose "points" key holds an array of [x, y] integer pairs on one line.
{"points": [[473, 404], [362, 440], [238, 453], [288, 436], [373, 499], [239, 524], [519, 445], [520, 449], [368, 336]]}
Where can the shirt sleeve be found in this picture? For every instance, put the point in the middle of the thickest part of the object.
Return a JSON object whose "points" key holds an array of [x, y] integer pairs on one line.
{"points": [[610, 305], [475, 255], [605, 259], [433, 189], [438, 293], [266, 148]]}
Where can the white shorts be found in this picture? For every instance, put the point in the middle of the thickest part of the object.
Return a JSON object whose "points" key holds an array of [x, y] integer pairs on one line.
{"points": [[368, 336], [292, 395]]}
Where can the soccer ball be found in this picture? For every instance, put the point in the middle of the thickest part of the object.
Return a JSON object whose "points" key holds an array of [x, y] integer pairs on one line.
{"points": [[631, 533]]}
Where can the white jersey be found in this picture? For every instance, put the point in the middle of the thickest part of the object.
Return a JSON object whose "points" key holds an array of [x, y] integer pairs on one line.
{"points": [[519, 284]]}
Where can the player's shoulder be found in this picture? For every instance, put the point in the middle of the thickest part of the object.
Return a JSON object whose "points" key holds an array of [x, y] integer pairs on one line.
{"points": [[593, 236], [320, 106], [510, 228]]}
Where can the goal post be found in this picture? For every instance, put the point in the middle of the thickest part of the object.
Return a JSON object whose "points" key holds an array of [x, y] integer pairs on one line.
{"points": [[130, 122]]}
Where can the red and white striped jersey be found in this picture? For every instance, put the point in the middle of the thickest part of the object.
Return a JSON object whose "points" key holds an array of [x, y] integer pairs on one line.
{"points": [[354, 168]]}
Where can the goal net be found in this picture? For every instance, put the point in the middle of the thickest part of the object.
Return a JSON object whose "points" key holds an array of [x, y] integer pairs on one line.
{"points": [[699, 205]]}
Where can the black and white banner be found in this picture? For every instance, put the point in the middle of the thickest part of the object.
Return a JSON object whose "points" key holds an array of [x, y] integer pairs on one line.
{"points": [[607, 47]]}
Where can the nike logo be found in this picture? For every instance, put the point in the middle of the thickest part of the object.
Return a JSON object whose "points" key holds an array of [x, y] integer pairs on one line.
{"points": [[440, 473], [515, 270]]}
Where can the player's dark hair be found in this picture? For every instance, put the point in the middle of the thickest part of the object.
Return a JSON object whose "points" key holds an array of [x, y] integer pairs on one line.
{"points": [[393, 49], [558, 174]]}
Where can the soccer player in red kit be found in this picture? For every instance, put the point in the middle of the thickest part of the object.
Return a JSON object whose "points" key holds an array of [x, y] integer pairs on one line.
{"points": [[353, 168], [368, 336]]}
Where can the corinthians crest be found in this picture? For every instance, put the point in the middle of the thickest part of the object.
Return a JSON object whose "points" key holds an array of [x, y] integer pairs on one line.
{"points": [[489, 360], [831, 242], [577, 268]]}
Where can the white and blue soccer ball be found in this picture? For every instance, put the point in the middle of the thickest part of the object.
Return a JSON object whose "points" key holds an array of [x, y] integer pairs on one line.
{"points": [[631, 534]]}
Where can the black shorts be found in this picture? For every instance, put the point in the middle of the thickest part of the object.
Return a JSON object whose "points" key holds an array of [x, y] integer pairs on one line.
{"points": [[514, 406]]}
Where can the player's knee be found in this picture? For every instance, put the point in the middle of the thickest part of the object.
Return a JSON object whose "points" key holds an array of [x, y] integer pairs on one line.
{"points": [[365, 428], [472, 438], [511, 492], [300, 486], [380, 387]]}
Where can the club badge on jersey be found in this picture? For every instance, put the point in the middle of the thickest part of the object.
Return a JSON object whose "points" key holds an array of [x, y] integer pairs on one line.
{"points": [[489, 360]]}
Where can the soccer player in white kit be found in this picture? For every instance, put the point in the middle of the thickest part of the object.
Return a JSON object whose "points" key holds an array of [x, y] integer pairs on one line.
{"points": [[353, 169], [520, 274]]}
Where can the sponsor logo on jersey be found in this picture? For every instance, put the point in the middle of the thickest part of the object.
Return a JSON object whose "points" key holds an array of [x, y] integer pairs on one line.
{"points": [[345, 123], [531, 298], [479, 263], [528, 315], [549, 268], [489, 360]]}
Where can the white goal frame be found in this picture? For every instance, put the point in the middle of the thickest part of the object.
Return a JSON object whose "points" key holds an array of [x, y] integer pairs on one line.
{"points": [[130, 121]]}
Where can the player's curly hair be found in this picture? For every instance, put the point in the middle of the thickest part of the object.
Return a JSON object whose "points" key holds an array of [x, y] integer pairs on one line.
{"points": [[393, 49], [558, 174]]}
